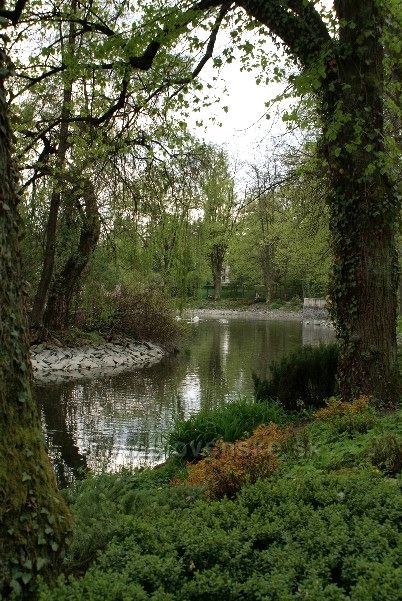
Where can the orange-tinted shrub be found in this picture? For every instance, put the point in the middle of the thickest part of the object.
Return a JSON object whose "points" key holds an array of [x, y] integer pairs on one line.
{"points": [[337, 407], [231, 465], [351, 417]]}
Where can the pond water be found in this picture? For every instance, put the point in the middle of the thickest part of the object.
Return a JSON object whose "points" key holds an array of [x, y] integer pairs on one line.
{"points": [[110, 422]]}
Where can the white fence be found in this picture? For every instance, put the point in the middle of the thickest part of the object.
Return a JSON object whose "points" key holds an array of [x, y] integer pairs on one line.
{"points": [[314, 303]]}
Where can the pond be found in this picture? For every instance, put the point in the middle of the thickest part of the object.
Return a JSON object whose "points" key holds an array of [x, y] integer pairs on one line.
{"points": [[110, 422]]}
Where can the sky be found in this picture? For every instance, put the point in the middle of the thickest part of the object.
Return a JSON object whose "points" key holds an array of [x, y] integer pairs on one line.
{"points": [[246, 133], [245, 129]]}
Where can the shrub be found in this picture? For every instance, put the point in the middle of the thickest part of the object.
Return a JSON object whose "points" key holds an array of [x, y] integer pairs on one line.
{"points": [[231, 465], [140, 314], [385, 452], [228, 423], [350, 417], [144, 315], [277, 304], [304, 378], [320, 537]]}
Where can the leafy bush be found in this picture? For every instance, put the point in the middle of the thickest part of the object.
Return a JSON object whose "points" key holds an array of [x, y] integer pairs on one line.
{"points": [[277, 304], [228, 423], [350, 417], [385, 452], [140, 314], [320, 537], [144, 315], [230, 466], [304, 378]]}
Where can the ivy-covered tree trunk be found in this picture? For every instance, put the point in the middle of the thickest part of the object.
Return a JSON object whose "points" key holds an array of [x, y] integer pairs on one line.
{"points": [[217, 256], [33, 516], [66, 282], [364, 207]]}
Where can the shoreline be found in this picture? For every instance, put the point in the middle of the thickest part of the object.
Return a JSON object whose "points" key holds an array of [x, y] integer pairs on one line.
{"points": [[62, 363], [310, 318], [54, 363]]}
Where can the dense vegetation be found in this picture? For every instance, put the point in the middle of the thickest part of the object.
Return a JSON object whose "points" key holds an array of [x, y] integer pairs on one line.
{"points": [[304, 378], [121, 204], [325, 524]]}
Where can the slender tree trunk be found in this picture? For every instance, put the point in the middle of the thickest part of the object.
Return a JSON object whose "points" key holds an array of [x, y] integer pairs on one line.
{"points": [[364, 208], [33, 517], [400, 281], [267, 264], [217, 257], [40, 299], [66, 282]]}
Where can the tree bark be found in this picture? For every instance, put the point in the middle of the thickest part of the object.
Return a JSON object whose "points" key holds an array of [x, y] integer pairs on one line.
{"points": [[217, 257], [66, 282], [34, 519], [268, 269], [364, 207]]}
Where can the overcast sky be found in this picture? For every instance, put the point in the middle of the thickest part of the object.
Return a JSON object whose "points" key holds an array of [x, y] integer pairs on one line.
{"points": [[245, 130], [246, 133]]}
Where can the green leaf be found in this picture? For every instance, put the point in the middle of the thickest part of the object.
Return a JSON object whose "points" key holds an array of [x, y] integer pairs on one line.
{"points": [[26, 577], [40, 562]]}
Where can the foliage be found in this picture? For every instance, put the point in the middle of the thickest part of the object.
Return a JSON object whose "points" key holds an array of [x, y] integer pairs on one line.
{"points": [[229, 466], [385, 452], [141, 314], [325, 525], [321, 446], [283, 238], [355, 416], [229, 423], [304, 378]]}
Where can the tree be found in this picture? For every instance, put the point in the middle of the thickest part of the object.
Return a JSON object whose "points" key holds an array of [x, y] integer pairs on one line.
{"points": [[221, 212], [343, 65], [341, 57], [287, 224], [34, 519]]}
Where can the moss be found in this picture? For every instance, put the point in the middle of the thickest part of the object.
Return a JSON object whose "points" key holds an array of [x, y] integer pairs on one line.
{"points": [[34, 519]]}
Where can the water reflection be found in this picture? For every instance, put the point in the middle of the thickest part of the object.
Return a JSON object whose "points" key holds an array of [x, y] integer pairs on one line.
{"points": [[123, 420]]}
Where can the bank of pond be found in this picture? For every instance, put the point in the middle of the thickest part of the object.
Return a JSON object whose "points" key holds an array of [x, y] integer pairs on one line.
{"points": [[275, 504], [291, 493]]}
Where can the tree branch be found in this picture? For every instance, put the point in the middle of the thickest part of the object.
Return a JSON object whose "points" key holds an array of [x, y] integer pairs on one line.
{"points": [[14, 15]]}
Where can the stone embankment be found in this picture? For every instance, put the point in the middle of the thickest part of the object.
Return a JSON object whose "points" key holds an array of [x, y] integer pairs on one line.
{"points": [[53, 363], [309, 317]]}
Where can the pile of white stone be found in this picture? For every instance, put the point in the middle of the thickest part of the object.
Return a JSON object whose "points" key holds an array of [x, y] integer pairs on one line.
{"points": [[54, 363]]}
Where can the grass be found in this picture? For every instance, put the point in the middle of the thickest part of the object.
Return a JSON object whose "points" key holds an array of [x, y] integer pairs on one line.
{"points": [[229, 423]]}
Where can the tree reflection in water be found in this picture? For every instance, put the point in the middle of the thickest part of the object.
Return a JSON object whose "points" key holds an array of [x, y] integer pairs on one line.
{"points": [[110, 422]]}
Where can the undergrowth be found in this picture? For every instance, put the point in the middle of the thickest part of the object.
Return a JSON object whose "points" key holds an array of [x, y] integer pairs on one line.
{"points": [[324, 525], [304, 378], [233, 421]]}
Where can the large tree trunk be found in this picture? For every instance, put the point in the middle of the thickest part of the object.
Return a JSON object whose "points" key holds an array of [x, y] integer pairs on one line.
{"points": [[40, 299], [67, 282], [364, 207], [217, 257], [33, 516]]}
